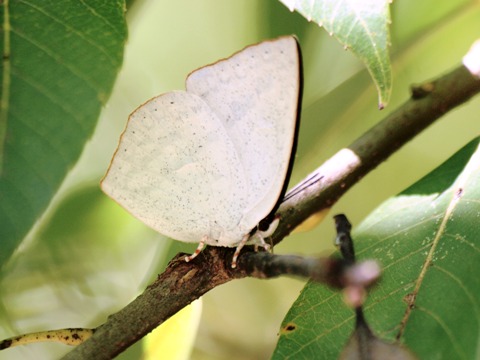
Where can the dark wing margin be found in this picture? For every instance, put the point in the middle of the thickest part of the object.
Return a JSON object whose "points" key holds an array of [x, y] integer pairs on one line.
{"points": [[265, 223]]}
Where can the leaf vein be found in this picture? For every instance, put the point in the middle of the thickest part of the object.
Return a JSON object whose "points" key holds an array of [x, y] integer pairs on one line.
{"points": [[6, 73], [72, 30], [471, 297], [48, 94], [446, 328], [103, 18], [72, 69], [460, 182]]}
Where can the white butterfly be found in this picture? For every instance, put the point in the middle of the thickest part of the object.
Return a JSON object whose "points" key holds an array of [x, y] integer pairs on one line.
{"points": [[209, 163]]}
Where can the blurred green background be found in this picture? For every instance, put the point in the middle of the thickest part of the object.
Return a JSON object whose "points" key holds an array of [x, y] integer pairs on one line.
{"points": [[87, 258]]}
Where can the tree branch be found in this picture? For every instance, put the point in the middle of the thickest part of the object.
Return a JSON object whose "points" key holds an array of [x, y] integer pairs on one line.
{"points": [[181, 283], [323, 187]]}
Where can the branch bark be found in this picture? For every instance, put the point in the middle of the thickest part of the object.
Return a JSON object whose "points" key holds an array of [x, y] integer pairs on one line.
{"points": [[181, 283]]}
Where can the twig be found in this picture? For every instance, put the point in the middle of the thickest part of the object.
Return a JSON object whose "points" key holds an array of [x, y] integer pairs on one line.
{"points": [[333, 271], [182, 283], [322, 188]]}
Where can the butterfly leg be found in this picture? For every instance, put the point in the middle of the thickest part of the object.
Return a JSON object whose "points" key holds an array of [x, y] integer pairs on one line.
{"points": [[238, 249], [261, 241], [199, 249], [261, 235]]}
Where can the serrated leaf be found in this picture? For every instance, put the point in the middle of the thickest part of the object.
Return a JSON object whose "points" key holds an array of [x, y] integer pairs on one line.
{"points": [[427, 240], [359, 25], [60, 60]]}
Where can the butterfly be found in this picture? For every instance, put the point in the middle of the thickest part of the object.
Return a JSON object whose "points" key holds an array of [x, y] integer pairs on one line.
{"points": [[211, 164]]}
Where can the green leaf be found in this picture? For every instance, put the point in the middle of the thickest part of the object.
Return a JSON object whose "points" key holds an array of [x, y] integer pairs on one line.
{"points": [[88, 258], [361, 26], [427, 239], [60, 60]]}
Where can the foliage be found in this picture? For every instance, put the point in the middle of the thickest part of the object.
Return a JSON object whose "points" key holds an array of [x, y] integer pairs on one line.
{"points": [[361, 27], [60, 61], [426, 240]]}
